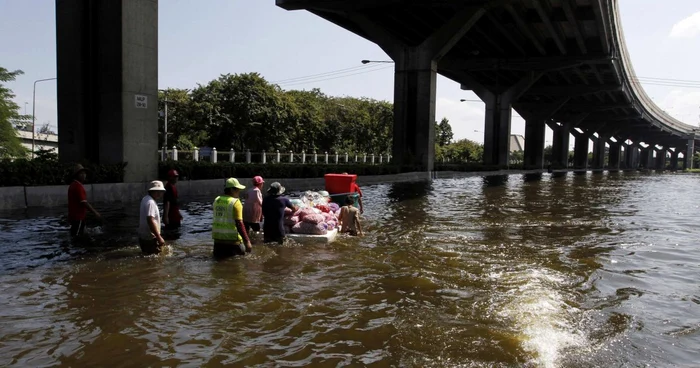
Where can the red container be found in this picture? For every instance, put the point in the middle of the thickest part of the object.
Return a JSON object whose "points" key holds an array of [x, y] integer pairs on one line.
{"points": [[339, 183]]}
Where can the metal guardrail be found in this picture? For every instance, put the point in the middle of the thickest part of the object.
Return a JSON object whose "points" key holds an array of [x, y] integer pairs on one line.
{"points": [[231, 156]]}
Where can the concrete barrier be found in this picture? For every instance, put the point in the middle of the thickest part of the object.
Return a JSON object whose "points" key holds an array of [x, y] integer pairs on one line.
{"points": [[56, 196], [12, 198], [50, 196]]}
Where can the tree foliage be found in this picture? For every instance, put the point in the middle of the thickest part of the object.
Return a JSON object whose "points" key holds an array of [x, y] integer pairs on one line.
{"points": [[443, 132], [10, 143], [245, 112]]}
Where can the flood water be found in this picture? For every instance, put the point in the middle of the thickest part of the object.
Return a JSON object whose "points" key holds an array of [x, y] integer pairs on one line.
{"points": [[595, 270]]}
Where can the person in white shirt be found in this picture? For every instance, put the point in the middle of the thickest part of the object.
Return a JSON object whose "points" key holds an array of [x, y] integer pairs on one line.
{"points": [[150, 240]]}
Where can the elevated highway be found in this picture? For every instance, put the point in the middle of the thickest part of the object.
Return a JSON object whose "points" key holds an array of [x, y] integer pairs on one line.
{"points": [[561, 63]]}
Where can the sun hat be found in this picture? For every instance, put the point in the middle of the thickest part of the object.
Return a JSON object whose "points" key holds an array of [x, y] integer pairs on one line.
{"points": [[156, 186], [257, 180], [233, 183], [173, 173], [276, 189], [78, 168]]}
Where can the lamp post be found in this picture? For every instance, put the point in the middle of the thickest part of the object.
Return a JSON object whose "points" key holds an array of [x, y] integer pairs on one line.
{"points": [[466, 100], [377, 61], [34, 111]]}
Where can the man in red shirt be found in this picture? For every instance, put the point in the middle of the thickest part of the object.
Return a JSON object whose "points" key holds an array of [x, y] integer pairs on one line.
{"points": [[77, 202], [171, 208]]}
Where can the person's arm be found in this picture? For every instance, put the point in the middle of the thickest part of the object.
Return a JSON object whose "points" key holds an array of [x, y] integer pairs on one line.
{"points": [[289, 205], [359, 191], [166, 211], [84, 202], [238, 220], [359, 226], [340, 218], [155, 230], [260, 200]]}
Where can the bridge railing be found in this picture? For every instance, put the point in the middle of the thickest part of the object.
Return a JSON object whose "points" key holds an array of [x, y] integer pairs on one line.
{"points": [[289, 157]]}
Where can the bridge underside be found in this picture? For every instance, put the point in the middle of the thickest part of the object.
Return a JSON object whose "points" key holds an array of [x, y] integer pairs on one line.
{"points": [[107, 62], [561, 63]]}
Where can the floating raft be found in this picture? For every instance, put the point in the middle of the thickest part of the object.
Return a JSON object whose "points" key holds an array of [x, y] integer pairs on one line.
{"points": [[314, 239]]}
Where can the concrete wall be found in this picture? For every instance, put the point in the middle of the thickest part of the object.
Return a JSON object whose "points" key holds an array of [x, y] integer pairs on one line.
{"points": [[12, 198]]}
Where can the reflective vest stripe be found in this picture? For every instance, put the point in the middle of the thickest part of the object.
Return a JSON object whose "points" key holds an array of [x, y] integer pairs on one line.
{"points": [[224, 226]]}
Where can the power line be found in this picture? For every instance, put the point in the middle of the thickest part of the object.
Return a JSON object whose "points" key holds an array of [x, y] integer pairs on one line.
{"points": [[333, 72], [336, 77]]}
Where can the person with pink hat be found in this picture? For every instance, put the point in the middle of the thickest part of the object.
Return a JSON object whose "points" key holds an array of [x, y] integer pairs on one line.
{"points": [[252, 208]]}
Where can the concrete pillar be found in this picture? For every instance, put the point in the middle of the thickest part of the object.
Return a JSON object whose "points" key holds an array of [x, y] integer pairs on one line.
{"points": [[107, 70], [534, 144], [646, 159], [599, 152], [581, 152], [661, 159], [674, 159], [560, 146], [415, 79], [497, 130], [615, 153], [689, 153]]}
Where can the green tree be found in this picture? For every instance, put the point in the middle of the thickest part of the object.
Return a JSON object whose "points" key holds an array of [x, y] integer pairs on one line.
{"points": [[10, 143], [443, 132]]}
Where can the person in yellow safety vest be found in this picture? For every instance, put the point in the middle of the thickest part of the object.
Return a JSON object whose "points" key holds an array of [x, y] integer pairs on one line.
{"points": [[228, 231]]}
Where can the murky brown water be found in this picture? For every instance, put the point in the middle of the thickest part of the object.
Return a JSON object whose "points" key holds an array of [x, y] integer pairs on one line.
{"points": [[573, 271]]}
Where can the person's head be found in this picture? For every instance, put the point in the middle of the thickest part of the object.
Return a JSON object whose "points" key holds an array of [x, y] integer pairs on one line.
{"points": [[349, 200], [156, 189], [258, 181], [79, 173], [173, 176], [276, 189], [233, 187]]}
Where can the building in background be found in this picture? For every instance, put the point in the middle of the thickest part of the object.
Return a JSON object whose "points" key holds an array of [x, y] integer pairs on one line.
{"points": [[517, 143], [47, 141]]}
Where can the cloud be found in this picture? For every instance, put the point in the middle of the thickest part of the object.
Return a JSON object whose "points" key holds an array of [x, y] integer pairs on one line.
{"points": [[687, 28], [683, 105]]}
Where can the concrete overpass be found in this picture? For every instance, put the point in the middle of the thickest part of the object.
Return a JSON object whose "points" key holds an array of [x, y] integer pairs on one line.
{"points": [[561, 63]]}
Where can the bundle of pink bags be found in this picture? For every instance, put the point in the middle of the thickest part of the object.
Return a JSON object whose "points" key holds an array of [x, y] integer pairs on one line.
{"points": [[318, 220]]}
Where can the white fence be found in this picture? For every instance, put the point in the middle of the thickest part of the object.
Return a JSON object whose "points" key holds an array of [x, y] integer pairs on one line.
{"points": [[263, 157]]}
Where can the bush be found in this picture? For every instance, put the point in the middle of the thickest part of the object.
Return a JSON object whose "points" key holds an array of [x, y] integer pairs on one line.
{"points": [[49, 172]]}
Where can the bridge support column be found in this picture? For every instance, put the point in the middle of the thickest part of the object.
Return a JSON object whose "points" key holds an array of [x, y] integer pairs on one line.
{"points": [[661, 159], [674, 159], [599, 152], [646, 160], [107, 69], [414, 111], [689, 153], [560, 146], [497, 130], [581, 152], [534, 144], [614, 155]]}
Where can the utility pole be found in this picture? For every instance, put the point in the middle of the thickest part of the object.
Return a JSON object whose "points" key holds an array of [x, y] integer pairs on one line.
{"points": [[165, 130]]}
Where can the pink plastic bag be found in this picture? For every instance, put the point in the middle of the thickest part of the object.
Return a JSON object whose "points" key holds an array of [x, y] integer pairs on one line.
{"points": [[305, 212], [310, 229], [313, 219], [291, 221]]}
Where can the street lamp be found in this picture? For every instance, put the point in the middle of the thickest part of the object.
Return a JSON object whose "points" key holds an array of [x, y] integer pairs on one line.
{"points": [[465, 100], [376, 61], [164, 153], [34, 110]]}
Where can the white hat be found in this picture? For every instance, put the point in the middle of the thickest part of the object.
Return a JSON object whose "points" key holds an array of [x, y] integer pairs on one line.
{"points": [[156, 186]]}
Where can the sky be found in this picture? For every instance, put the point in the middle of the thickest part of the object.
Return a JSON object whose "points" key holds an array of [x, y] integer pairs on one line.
{"points": [[200, 40]]}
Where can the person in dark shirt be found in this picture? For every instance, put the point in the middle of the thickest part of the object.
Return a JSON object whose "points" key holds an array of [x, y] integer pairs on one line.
{"points": [[171, 209], [273, 212]]}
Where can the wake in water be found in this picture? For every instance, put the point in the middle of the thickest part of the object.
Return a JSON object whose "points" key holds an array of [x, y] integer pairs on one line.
{"points": [[540, 314]]}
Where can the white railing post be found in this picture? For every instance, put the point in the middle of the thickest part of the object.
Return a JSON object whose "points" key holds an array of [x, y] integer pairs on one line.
{"points": [[372, 159], [174, 153], [303, 157], [315, 157], [326, 158], [214, 155], [346, 157], [247, 156], [380, 158], [355, 160], [278, 156], [195, 154], [264, 158], [336, 158], [291, 157], [232, 156], [364, 158], [163, 153], [388, 158]]}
